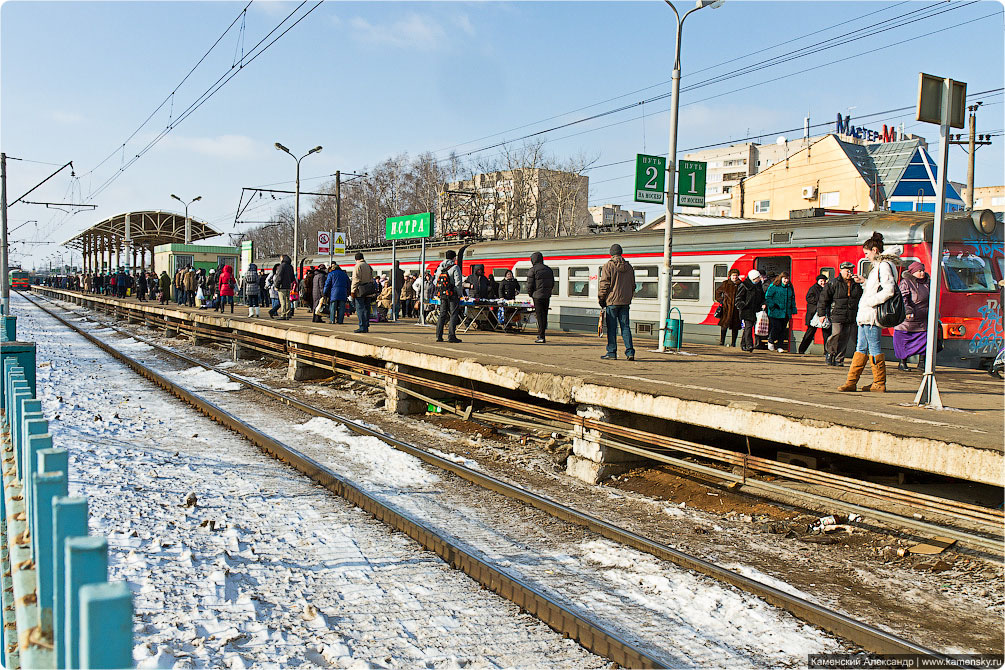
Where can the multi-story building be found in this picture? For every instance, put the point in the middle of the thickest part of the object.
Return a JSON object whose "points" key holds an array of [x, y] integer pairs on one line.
{"points": [[844, 176], [988, 197], [728, 165], [611, 218], [515, 204]]}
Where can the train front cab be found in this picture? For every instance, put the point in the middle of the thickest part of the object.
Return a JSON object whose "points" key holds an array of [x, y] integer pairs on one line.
{"points": [[970, 299]]}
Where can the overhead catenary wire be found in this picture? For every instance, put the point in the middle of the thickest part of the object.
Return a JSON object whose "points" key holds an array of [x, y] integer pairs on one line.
{"points": [[707, 83]]}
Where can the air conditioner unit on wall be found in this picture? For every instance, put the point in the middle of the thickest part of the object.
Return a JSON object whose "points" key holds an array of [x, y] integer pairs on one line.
{"points": [[809, 192]]}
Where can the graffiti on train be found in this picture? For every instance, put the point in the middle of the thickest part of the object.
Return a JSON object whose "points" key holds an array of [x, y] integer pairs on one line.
{"points": [[988, 338]]}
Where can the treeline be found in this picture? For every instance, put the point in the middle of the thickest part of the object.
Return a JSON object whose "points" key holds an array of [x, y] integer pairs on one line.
{"points": [[403, 185]]}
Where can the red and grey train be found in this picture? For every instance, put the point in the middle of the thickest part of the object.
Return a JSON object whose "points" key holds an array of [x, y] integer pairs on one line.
{"points": [[970, 298]]}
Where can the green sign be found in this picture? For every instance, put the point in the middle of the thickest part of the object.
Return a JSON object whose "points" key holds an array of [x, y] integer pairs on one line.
{"points": [[691, 183], [650, 178], [409, 227]]}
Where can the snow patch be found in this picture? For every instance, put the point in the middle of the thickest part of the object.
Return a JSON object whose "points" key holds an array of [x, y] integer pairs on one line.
{"points": [[203, 379]]}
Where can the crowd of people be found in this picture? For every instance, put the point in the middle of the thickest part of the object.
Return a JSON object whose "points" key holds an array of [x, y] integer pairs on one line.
{"points": [[756, 308], [843, 308]]}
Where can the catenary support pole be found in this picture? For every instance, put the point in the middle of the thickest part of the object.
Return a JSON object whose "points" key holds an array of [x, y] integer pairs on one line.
{"points": [[4, 271]]}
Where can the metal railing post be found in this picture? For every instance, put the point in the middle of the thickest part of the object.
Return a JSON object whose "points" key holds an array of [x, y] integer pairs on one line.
{"points": [[106, 626], [86, 563], [69, 519], [48, 486]]}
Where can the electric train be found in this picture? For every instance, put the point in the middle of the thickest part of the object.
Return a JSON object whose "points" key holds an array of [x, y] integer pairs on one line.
{"points": [[970, 294]]}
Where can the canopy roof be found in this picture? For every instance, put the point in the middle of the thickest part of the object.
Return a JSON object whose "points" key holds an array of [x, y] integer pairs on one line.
{"points": [[146, 228]]}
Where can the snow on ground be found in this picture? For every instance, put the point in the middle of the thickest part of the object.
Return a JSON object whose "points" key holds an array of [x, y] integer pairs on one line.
{"points": [[202, 379], [267, 569], [687, 619]]}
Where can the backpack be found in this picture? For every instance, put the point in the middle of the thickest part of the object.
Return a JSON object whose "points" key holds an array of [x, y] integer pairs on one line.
{"points": [[445, 288]]}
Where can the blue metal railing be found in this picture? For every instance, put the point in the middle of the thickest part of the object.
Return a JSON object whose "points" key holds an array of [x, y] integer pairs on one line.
{"points": [[59, 610]]}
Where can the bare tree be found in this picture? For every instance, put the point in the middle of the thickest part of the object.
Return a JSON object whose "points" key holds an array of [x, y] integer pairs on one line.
{"points": [[565, 191]]}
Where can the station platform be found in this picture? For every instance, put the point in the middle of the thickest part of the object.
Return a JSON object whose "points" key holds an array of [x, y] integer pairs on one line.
{"points": [[776, 397]]}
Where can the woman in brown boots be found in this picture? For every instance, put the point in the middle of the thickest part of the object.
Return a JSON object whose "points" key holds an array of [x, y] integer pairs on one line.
{"points": [[879, 287]]}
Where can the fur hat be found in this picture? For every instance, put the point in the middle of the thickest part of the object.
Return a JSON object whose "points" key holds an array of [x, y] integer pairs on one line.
{"points": [[615, 249], [753, 275]]}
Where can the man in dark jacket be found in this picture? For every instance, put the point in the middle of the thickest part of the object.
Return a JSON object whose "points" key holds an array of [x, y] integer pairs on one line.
{"points": [[749, 301], [840, 298], [477, 285], [141, 286], [284, 282], [398, 283], [448, 284], [336, 289], [812, 300], [540, 282], [615, 291]]}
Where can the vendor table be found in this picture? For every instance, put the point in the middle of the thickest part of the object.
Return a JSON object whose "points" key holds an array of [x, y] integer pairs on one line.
{"points": [[497, 315]]}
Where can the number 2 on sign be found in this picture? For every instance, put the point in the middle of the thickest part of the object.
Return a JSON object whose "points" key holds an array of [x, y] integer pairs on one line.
{"points": [[652, 172]]}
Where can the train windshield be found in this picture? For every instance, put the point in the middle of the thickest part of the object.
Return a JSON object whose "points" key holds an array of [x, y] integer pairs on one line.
{"points": [[970, 270]]}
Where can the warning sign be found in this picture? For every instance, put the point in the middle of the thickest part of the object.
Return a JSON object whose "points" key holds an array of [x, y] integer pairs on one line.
{"points": [[324, 242]]}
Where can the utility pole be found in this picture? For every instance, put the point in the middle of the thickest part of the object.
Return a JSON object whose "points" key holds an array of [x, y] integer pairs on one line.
{"points": [[973, 143], [5, 300], [338, 201]]}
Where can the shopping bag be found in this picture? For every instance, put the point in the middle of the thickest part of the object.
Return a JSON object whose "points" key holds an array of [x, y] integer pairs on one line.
{"points": [[761, 325], [322, 307], [820, 321]]}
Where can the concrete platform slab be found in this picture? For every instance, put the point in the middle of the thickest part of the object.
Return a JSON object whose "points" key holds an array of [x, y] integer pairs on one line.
{"points": [[772, 396]]}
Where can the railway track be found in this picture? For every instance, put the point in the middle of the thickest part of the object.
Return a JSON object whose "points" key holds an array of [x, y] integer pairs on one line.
{"points": [[591, 635]]}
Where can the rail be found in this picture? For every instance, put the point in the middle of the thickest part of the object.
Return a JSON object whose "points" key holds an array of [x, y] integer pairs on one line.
{"points": [[867, 636]]}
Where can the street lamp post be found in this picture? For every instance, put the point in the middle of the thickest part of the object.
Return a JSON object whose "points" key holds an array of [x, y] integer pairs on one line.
{"points": [[666, 275], [296, 203], [188, 221]]}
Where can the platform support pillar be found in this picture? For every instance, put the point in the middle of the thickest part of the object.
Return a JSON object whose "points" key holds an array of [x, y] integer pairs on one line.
{"points": [[300, 371], [240, 352], [590, 460], [396, 400]]}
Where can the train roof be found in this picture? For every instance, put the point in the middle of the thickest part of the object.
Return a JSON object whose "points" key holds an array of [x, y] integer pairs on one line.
{"points": [[898, 228]]}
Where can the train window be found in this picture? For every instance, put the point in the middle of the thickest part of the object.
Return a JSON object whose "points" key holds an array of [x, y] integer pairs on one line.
{"points": [[770, 266], [719, 271], [968, 273], [685, 284], [647, 278], [827, 272], [579, 282], [499, 273]]}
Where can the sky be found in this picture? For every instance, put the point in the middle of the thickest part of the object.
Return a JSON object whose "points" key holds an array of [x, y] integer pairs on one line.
{"points": [[372, 80]]}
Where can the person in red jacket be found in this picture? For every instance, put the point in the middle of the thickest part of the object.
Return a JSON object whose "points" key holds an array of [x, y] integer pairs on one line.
{"points": [[226, 287]]}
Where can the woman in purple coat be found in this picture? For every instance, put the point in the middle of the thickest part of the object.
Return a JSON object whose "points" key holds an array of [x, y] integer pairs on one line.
{"points": [[910, 337]]}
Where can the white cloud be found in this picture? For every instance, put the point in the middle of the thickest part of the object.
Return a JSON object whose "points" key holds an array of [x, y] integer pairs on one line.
{"points": [[464, 23], [413, 31], [66, 118], [221, 146]]}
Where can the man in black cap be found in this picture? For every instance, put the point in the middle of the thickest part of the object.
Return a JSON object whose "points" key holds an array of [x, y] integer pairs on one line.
{"points": [[540, 284], [841, 296], [616, 289]]}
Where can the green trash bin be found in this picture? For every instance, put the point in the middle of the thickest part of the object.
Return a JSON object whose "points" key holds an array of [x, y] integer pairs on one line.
{"points": [[674, 330]]}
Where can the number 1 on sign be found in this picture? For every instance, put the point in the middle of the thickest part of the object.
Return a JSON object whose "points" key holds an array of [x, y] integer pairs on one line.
{"points": [[692, 184]]}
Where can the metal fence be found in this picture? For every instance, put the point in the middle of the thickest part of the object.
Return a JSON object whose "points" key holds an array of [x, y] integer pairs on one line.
{"points": [[59, 609]]}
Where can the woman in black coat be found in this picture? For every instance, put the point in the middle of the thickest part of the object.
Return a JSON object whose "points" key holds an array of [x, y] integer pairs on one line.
{"points": [[812, 300], [509, 286]]}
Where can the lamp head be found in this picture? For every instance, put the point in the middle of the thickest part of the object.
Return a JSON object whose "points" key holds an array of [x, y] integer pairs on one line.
{"points": [[314, 150], [282, 148], [714, 4], [176, 197], [198, 197]]}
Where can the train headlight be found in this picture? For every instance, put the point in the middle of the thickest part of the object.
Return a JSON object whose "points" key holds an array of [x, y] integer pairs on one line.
{"points": [[957, 331], [984, 220]]}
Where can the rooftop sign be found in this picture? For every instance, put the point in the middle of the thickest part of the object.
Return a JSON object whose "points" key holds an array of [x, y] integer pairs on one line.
{"points": [[844, 127]]}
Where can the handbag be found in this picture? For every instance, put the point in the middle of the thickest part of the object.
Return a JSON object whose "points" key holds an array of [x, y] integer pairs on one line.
{"points": [[891, 312], [322, 307], [366, 289], [718, 311], [761, 325]]}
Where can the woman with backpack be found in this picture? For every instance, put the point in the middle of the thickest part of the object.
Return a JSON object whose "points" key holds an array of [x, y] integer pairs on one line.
{"points": [[879, 287], [448, 285]]}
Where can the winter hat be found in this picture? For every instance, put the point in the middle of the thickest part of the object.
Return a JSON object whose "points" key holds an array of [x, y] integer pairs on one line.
{"points": [[916, 266], [847, 265], [753, 275], [821, 276], [615, 249]]}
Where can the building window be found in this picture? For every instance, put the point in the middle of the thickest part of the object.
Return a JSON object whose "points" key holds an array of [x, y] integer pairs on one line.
{"points": [[978, 202], [685, 283], [762, 206], [1000, 200], [830, 199], [726, 189], [734, 176], [579, 282]]}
